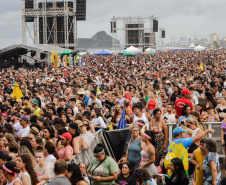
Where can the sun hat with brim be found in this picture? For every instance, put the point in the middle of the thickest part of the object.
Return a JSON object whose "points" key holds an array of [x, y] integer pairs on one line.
{"points": [[35, 102], [4, 114], [30, 136], [81, 91], [178, 130]]}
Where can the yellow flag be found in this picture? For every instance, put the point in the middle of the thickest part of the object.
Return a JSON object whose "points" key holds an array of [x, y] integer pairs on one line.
{"points": [[201, 66], [98, 89]]}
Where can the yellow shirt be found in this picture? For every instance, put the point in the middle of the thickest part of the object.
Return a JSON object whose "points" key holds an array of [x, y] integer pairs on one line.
{"points": [[36, 111], [199, 173], [27, 106]]}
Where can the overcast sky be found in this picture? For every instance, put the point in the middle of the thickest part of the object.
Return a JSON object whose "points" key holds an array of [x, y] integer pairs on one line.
{"points": [[178, 17]]}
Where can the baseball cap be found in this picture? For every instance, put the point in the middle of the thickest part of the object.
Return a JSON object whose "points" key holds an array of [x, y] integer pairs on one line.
{"points": [[185, 91], [155, 75], [178, 130], [66, 135], [25, 118], [86, 113]]}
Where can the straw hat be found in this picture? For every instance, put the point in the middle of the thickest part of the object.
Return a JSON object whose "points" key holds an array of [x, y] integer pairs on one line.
{"points": [[81, 91]]}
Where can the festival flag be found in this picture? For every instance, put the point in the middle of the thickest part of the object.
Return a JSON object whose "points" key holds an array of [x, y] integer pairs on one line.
{"points": [[122, 123], [201, 66], [98, 89]]}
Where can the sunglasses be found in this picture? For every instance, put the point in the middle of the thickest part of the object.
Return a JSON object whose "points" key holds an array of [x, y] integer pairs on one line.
{"points": [[86, 125]]}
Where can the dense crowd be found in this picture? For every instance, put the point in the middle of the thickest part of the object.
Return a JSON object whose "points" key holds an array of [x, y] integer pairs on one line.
{"points": [[62, 110]]}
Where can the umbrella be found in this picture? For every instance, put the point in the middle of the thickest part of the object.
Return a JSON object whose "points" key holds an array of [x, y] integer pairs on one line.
{"points": [[65, 52], [151, 53], [16, 92], [127, 53]]}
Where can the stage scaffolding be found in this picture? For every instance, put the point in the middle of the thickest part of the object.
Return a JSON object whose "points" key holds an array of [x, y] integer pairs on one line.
{"points": [[49, 32], [136, 31]]}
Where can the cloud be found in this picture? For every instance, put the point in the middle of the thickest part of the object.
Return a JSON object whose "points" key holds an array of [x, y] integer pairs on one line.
{"points": [[178, 17]]}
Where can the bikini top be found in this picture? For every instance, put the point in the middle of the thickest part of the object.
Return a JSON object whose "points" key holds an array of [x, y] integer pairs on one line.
{"points": [[219, 110]]}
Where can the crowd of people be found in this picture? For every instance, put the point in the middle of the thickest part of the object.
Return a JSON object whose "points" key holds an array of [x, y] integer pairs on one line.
{"points": [[62, 110]]}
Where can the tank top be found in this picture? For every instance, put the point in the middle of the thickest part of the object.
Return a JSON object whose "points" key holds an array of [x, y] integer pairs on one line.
{"points": [[143, 118], [199, 173], [11, 183], [28, 176], [134, 151], [152, 170]]}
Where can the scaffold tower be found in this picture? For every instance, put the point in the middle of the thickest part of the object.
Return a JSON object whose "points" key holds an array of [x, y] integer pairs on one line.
{"points": [[53, 22]]}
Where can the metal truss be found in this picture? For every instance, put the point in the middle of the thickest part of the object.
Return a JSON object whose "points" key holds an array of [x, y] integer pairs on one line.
{"points": [[147, 27], [53, 12]]}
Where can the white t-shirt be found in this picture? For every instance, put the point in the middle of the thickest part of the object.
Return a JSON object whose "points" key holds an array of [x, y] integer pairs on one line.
{"points": [[75, 110], [170, 118], [17, 126], [99, 122], [24, 131]]}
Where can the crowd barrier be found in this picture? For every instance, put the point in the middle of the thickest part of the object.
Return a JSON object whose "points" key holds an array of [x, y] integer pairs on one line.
{"points": [[86, 156]]}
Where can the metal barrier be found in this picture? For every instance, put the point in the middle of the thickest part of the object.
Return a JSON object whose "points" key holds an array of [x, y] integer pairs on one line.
{"points": [[86, 156]]}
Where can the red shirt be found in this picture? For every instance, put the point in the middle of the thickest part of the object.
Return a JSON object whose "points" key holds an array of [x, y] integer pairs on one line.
{"points": [[180, 103]]}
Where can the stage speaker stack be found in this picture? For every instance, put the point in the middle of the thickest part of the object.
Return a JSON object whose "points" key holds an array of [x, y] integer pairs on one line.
{"points": [[163, 34], [155, 25], [81, 10]]}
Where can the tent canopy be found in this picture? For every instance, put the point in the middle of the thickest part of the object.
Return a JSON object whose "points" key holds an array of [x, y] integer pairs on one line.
{"points": [[127, 53], [103, 52], [150, 50], [192, 45], [199, 48], [133, 50]]}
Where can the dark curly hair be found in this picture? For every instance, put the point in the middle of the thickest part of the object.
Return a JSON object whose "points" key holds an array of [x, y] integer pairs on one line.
{"points": [[142, 175], [28, 166], [51, 132]]}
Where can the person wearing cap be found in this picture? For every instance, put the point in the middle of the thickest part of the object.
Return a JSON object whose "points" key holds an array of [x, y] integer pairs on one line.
{"points": [[36, 107], [180, 103], [16, 123], [24, 122], [179, 146], [66, 152]]}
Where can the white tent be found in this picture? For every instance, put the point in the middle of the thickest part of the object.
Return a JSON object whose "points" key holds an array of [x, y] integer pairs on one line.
{"points": [[192, 45], [133, 50], [199, 48], [150, 50]]}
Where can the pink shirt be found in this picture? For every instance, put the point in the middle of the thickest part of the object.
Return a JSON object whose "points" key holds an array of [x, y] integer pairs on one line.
{"points": [[65, 151]]}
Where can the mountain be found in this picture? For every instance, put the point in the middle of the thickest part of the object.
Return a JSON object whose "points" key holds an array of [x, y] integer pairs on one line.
{"points": [[99, 40]]}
